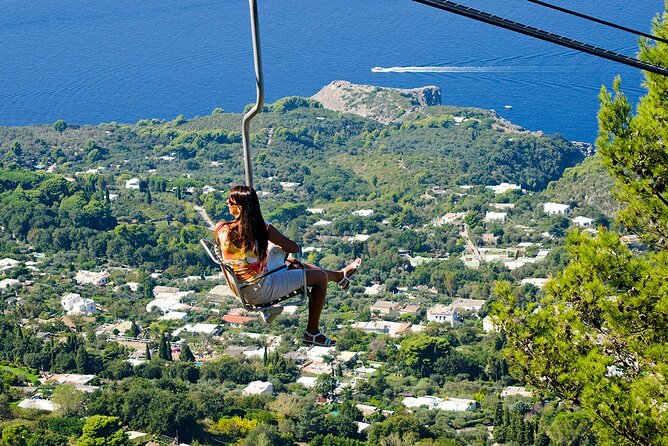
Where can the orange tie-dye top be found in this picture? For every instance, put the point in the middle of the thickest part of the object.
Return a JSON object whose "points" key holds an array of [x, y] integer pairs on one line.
{"points": [[245, 263]]}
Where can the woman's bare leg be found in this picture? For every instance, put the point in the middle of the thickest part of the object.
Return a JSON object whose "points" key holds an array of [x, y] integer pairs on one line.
{"points": [[317, 279], [332, 276]]}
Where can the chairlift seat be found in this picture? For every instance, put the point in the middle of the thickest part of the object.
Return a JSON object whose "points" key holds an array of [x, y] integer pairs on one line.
{"points": [[277, 260]]}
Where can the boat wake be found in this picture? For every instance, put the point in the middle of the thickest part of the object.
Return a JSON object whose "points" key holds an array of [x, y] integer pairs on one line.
{"points": [[455, 69]]}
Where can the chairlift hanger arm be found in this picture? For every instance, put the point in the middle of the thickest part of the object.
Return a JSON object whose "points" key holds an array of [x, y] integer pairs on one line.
{"points": [[259, 89], [530, 31]]}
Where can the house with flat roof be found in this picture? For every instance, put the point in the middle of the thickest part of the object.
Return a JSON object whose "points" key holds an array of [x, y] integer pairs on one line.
{"points": [[392, 329], [555, 208], [503, 188], [7, 264], [92, 278], [132, 183], [443, 314], [472, 305], [516, 391], [72, 303], [259, 388], [375, 288], [583, 222], [436, 403], [495, 216]]}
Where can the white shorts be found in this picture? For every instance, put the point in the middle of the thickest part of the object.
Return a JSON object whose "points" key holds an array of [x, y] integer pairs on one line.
{"points": [[274, 286]]}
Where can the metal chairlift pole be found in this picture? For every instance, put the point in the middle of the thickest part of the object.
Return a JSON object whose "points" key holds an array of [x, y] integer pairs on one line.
{"points": [[259, 83]]}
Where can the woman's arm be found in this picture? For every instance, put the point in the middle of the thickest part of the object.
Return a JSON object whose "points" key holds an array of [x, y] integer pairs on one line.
{"points": [[279, 239]]}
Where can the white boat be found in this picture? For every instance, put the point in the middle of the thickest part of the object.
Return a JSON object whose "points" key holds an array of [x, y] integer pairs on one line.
{"points": [[508, 106]]}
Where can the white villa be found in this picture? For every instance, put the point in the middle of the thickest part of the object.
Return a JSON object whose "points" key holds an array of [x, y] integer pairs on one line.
{"points": [[7, 264], [132, 183], [375, 288], [443, 314], [488, 325], [583, 222], [7, 283], [73, 304], [495, 216], [92, 278], [555, 208], [258, 388], [432, 402], [168, 299], [392, 329], [503, 188], [363, 212], [473, 305]]}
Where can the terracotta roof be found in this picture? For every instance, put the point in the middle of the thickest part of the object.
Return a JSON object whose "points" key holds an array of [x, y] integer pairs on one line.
{"points": [[239, 320]]}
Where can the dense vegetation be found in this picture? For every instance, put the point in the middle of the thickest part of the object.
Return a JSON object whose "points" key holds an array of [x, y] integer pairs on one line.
{"points": [[598, 338], [65, 206]]}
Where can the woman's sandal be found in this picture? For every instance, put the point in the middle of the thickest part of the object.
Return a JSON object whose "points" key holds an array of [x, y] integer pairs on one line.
{"points": [[348, 272], [310, 338]]}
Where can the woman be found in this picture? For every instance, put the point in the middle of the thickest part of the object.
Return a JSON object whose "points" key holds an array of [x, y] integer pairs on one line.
{"points": [[243, 243]]}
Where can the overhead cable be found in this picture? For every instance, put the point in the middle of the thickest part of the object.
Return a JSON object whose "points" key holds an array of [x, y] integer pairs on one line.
{"points": [[543, 35], [597, 20]]}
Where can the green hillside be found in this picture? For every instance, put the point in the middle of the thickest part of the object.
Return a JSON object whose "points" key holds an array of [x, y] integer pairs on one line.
{"points": [[587, 185]]}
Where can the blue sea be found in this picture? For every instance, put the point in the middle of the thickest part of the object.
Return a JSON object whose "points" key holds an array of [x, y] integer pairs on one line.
{"points": [[93, 61]]}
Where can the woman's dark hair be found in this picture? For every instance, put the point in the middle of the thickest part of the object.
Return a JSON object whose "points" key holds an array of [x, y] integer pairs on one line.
{"points": [[250, 233]]}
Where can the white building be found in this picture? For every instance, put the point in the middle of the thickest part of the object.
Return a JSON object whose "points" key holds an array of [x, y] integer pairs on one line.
{"points": [[307, 381], [132, 183], [73, 304], [555, 208], [8, 283], [450, 218], [92, 278], [318, 211], [516, 391], [287, 185], [199, 328], [208, 189], [38, 404], [443, 314], [258, 388], [538, 282], [583, 222], [472, 305], [375, 288], [363, 212], [495, 216], [503, 188], [7, 264], [433, 402], [168, 299], [488, 325], [392, 329], [502, 206]]}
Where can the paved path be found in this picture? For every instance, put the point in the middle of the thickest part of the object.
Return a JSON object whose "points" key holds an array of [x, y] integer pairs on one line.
{"points": [[202, 212]]}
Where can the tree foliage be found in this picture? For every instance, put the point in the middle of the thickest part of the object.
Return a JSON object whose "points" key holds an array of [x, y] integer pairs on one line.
{"points": [[599, 337]]}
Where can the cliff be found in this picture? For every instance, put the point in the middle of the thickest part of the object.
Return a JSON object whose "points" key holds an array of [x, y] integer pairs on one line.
{"points": [[381, 104]]}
